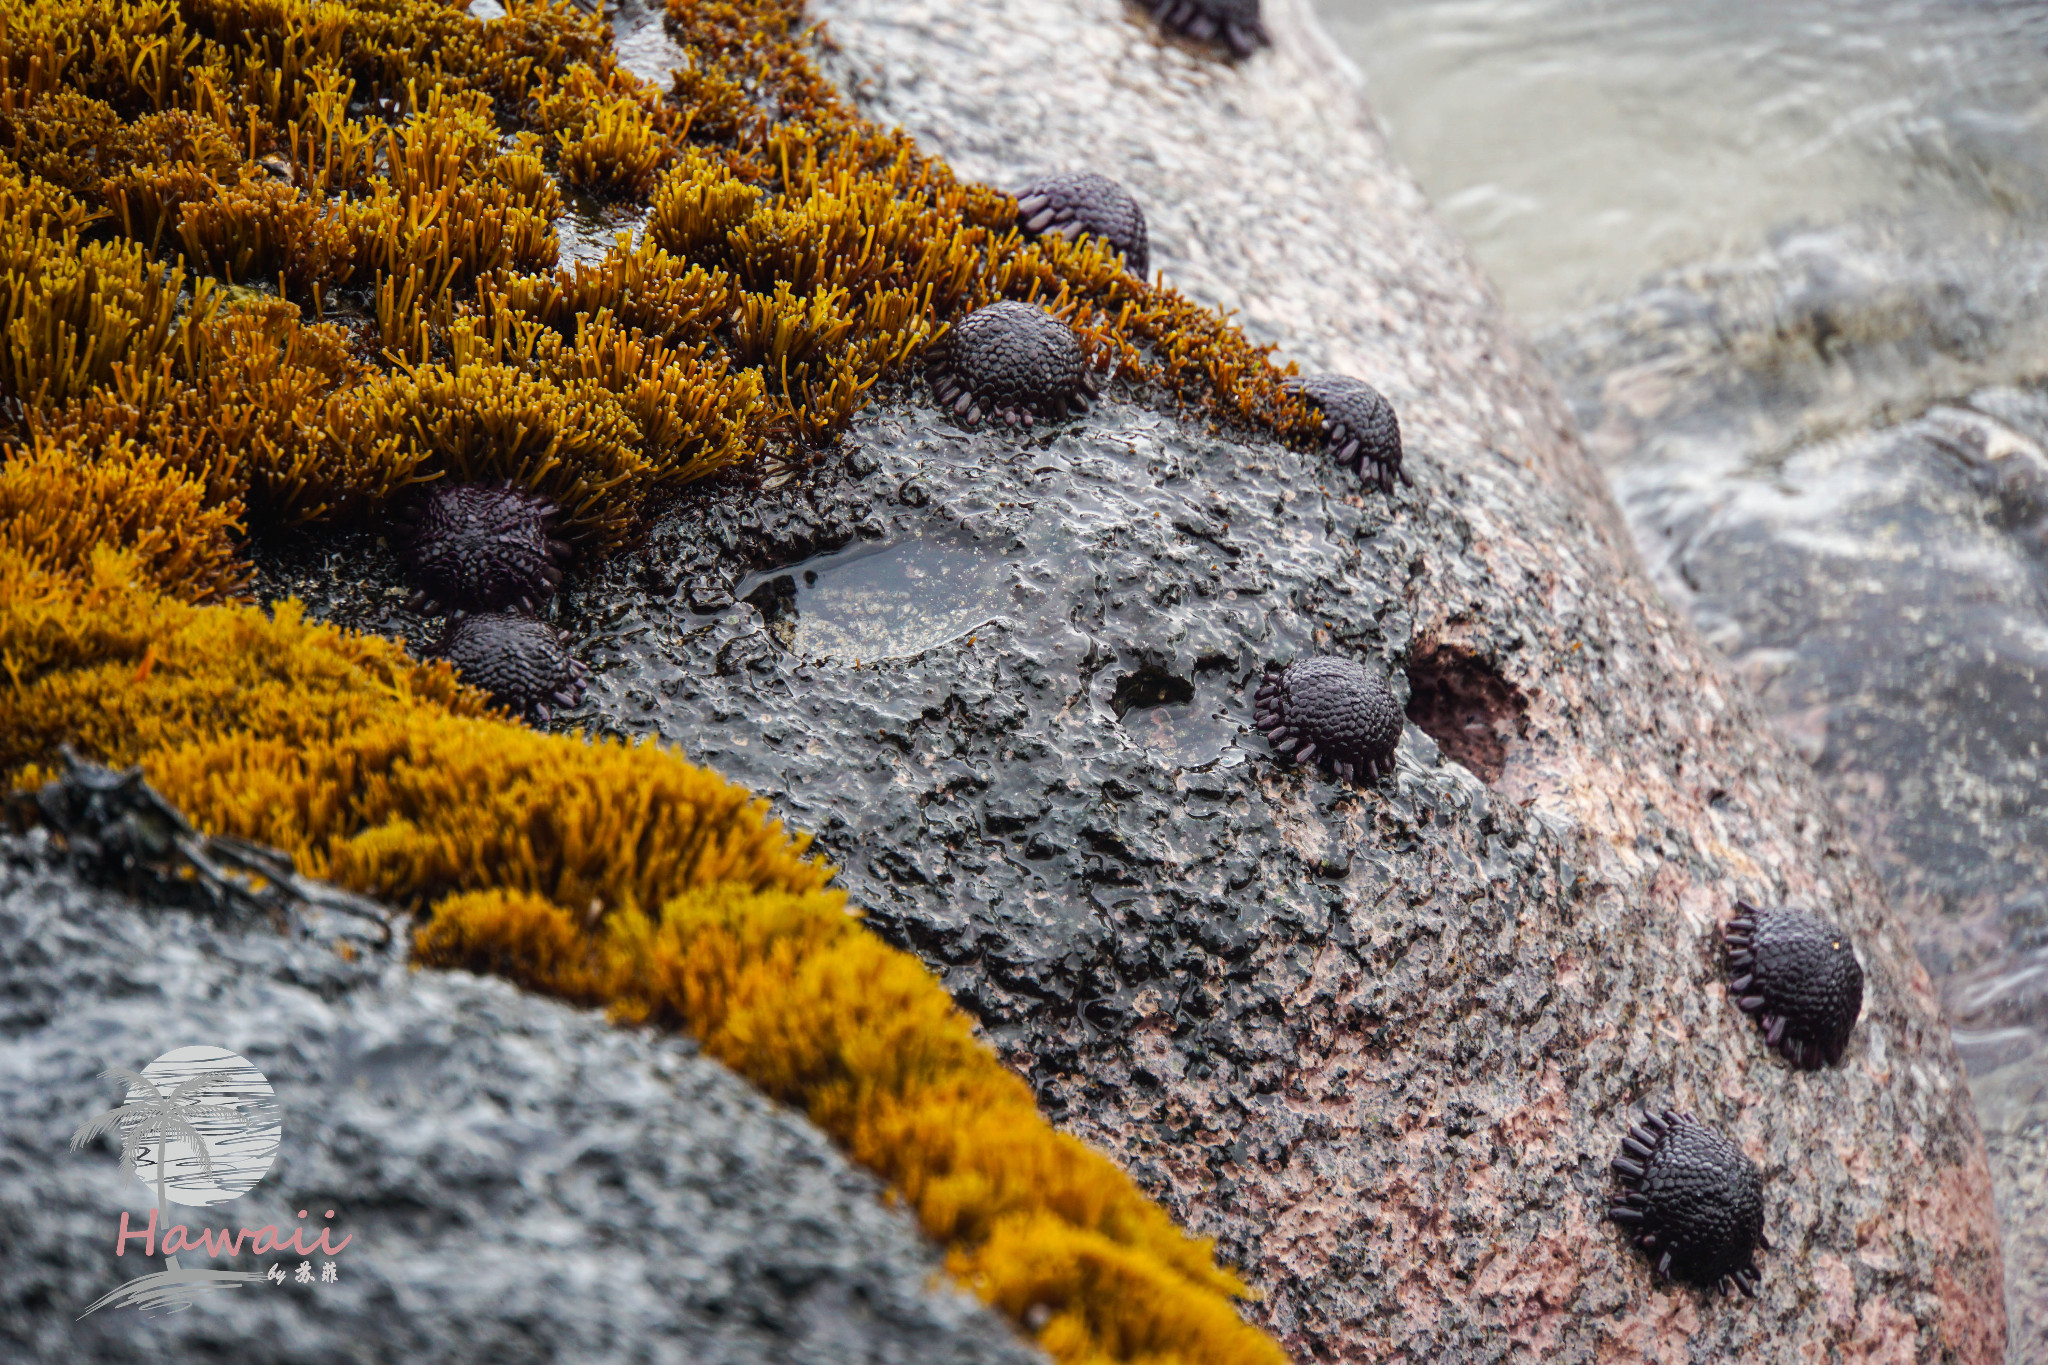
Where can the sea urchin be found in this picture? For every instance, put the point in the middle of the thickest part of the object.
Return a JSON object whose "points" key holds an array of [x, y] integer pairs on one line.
{"points": [[1011, 360], [1330, 711], [1234, 22], [518, 660], [1798, 976], [481, 547], [1695, 1202], [1359, 425], [1084, 204]]}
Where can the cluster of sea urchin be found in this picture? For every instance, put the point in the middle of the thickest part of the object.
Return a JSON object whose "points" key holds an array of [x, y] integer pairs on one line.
{"points": [[1333, 712], [1010, 360], [1694, 1200], [478, 551], [1020, 363]]}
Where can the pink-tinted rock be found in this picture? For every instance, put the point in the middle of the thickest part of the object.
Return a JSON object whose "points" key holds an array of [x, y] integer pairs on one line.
{"points": [[1395, 1106]]}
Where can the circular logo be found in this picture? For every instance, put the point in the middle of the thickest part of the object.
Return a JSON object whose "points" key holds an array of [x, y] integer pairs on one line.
{"points": [[207, 1125]]}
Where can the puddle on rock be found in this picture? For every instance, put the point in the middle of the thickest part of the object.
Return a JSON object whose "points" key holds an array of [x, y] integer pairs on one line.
{"points": [[590, 228], [1183, 723], [877, 601]]}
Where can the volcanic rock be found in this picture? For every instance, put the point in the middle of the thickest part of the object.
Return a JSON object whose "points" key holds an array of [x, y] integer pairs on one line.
{"points": [[1376, 1042], [520, 1181]]}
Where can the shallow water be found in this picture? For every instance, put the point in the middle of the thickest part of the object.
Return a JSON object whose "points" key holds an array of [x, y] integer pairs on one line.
{"points": [[1789, 260], [878, 601], [1581, 145]]}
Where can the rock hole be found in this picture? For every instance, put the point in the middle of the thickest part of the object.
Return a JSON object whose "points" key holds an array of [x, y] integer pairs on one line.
{"points": [[776, 601], [1149, 687], [1463, 703]]}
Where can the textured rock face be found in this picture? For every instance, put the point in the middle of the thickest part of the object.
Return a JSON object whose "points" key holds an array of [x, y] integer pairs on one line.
{"points": [[522, 1181], [1380, 1043], [1824, 463], [1377, 1042]]}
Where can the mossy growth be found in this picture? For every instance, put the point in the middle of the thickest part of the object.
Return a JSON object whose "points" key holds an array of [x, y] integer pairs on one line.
{"points": [[788, 989], [393, 172], [265, 262], [367, 766]]}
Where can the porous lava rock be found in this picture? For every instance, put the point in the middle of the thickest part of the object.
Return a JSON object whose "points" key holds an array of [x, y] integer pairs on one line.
{"points": [[1084, 204], [518, 1180], [1797, 975], [1377, 1042]]}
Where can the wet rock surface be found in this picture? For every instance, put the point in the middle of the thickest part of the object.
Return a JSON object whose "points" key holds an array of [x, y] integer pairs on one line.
{"points": [[521, 1181], [1871, 551], [1376, 1041]]}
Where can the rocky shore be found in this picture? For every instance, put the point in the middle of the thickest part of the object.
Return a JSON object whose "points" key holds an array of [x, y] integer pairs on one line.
{"points": [[1381, 1044]]}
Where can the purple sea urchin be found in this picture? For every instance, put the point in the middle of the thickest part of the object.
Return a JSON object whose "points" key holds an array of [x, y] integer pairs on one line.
{"points": [[1232, 22], [1358, 424], [1333, 712], [518, 660], [1693, 1201], [481, 547], [1082, 203], [1798, 976], [1010, 360]]}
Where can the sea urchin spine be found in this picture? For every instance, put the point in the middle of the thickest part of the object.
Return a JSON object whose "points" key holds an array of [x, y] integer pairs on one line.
{"points": [[1693, 1201]]}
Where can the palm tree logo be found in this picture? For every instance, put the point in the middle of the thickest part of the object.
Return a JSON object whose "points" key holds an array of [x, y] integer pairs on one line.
{"points": [[169, 1124], [158, 1116]]}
